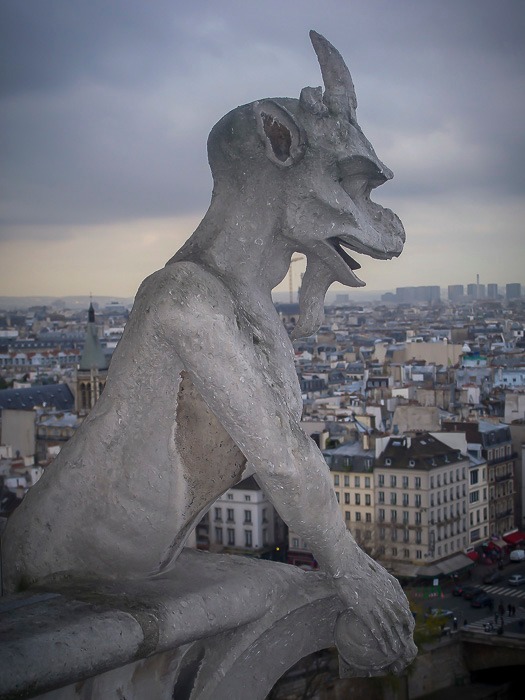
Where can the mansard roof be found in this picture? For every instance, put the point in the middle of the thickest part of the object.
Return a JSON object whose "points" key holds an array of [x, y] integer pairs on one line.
{"points": [[57, 395], [422, 451]]}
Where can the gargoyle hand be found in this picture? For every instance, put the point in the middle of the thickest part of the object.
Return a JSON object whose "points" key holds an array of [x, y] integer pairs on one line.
{"points": [[374, 634]]}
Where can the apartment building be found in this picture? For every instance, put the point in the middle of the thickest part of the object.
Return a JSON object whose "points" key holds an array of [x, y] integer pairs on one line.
{"points": [[478, 487], [494, 442], [351, 467], [242, 520], [421, 496]]}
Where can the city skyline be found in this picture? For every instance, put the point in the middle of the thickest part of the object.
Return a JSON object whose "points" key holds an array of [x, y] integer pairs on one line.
{"points": [[105, 119]]}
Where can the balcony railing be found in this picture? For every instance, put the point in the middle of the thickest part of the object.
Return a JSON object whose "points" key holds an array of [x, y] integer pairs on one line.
{"points": [[500, 460]]}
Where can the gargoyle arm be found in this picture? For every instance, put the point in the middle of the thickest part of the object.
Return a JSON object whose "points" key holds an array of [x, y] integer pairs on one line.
{"points": [[197, 317]]}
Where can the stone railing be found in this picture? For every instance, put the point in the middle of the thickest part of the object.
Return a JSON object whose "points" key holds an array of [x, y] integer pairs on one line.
{"points": [[221, 627]]}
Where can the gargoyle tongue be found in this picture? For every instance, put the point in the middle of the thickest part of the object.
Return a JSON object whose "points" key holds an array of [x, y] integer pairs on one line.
{"points": [[317, 278]]}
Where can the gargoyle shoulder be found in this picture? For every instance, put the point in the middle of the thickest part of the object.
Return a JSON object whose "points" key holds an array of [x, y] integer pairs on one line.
{"points": [[185, 296]]}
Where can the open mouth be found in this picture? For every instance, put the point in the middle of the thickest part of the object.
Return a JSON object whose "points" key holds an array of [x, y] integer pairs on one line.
{"points": [[339, 245]]}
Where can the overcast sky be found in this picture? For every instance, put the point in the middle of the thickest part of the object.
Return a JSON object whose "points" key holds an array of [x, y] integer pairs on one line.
{"points": [[106, 106]]}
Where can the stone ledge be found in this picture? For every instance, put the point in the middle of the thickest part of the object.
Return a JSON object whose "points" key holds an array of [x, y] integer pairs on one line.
{"points": [[224, 609]]}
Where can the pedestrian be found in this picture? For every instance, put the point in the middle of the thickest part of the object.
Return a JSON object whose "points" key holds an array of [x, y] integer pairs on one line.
{"points": [[501, 609], [465, 622], [491, 604], [455, 624]]}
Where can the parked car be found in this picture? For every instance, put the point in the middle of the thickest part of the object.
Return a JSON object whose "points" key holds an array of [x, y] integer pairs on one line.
{"points": [[516, 580], [482, 600], [458, 590], [440, 613], [470, 592], [517, 555], [493, 577]]}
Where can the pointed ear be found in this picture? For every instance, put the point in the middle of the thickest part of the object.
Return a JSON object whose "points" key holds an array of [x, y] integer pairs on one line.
{"points": [[284, 140]]}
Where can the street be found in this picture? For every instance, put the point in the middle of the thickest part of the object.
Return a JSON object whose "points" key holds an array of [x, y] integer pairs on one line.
{"points": [[501, 592]]}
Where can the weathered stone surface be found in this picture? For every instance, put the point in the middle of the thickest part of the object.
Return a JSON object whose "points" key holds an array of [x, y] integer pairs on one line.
{"points": [[216, 625], [202, 387]]}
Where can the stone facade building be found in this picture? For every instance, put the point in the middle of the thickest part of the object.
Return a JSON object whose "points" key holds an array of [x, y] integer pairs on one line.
{"points": [[495, 443], [421, 500]]}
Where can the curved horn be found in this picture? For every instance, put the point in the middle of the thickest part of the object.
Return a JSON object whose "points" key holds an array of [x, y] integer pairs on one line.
{"points": [[339, 95]]}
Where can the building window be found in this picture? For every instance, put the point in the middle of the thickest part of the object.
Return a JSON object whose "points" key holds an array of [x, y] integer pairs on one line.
{"points": [[393, 481], [474, 476], [231, 517], [347, 498], [357, 482], [381, 480], [338, 496], [418, 536], [367, 482], [218, 535], [368, 517], [405, 499], [218, 513], [381, 496], [358, 516], [230, 496], [405, 482], [247, 538], [381, 513], [417, 500], [264, 516], [368, 499], [231, 537], [418, 518], [419, 554], [405, 517], [347, 480], [382, 533], [406, 553], [247, 498], [393, 515], [417, 482], [406, 535], [295, 542], [347, 516], [394, 551], [358, 499], [247, 516], [336, 479], [393, 499]]}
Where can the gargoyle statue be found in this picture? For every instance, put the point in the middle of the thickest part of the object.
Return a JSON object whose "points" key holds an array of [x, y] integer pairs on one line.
{"points": [[202, 388]]}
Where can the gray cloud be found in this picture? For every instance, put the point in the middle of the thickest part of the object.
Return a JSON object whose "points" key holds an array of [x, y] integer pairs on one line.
{"points": [[105, 107]]}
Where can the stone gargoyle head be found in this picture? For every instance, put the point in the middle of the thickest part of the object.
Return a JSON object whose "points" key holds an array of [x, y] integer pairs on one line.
{"points": [[309, 158]]}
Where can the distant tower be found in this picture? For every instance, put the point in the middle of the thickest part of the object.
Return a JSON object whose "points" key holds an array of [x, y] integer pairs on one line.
{"points": [[92, 369]]}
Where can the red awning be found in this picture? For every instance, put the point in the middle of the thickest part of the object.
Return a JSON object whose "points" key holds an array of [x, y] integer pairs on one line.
{"points": [[473, 555], [514, 537]]}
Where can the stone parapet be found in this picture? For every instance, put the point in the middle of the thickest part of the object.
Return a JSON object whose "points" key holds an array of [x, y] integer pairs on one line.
{"points": [[216, 627]]}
